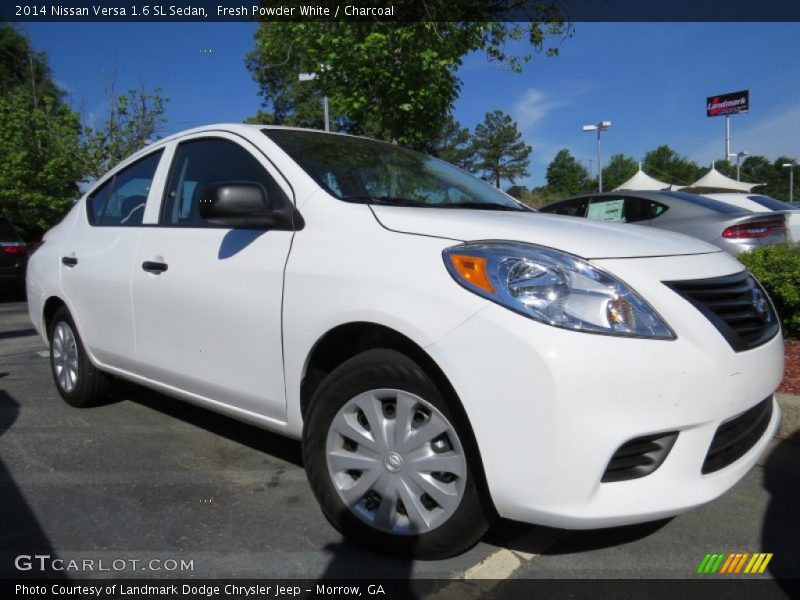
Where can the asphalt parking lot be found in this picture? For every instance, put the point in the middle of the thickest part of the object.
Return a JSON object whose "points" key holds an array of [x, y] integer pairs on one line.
{"points": [[147, 477]]}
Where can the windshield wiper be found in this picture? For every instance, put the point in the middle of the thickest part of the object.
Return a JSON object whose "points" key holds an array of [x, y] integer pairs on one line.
{"points": [[384, 200], [484, 206]]}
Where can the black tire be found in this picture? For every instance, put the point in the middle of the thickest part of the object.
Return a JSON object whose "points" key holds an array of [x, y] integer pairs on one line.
{"points": [[377, 369], [92, 385]]}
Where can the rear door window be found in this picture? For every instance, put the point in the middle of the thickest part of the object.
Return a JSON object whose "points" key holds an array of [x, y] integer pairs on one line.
{"points": [[122, 199]]}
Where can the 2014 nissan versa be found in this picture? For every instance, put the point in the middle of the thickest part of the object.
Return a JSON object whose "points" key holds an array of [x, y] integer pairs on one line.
{"points": [[445, 354]]}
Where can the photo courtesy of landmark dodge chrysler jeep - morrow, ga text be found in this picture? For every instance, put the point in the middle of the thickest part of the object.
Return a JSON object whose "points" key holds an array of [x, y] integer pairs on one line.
{"points": [[445, 354]]}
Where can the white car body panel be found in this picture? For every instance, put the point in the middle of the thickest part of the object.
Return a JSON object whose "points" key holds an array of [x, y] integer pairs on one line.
{"points": [[234, 331], [583, 237]]}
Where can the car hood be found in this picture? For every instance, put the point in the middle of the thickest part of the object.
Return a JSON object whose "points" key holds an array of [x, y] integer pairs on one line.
{"points": [[582, 237]]}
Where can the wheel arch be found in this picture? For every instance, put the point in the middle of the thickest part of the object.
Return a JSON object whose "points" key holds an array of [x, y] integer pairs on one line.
{"points": [[49, 310], [349, 339]]}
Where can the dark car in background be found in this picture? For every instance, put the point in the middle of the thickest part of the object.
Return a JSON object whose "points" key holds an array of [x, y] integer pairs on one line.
{"points": [[13, 257], [728, 227]]}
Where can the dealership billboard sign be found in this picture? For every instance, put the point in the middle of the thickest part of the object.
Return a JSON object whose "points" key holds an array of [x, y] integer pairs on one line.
{"points": [[728, 104]]}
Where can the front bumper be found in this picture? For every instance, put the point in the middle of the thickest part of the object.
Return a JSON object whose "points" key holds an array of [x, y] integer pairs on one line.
{"points": [[550, 407]]}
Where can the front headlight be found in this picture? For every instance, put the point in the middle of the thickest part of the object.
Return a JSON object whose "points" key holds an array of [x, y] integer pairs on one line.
{"points": [[553, 287]]}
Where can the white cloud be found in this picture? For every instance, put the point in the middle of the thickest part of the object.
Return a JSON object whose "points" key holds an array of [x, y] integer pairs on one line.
{"points": [[532, 107]]}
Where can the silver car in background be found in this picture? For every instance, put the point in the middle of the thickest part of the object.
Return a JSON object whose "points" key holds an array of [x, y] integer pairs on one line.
{"points": [[759, 203], [731, 228]]}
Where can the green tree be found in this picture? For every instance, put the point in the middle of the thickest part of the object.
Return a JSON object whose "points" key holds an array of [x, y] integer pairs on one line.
{"points": [[39, 139], [780, 188], [134, 119], [454, 145], [22, 67], [41, 161], [666, 164], [726, 167], [565, 175], [758, 169], [520, 192], [619, 169], [392, 81], [500, 152]]}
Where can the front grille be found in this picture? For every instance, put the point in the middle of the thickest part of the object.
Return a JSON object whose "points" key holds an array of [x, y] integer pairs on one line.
{"points": [[639, 457], [735, 437], [736, 305]]}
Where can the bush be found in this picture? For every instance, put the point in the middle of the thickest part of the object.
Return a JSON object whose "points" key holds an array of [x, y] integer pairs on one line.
{"points": [[778, 270]]}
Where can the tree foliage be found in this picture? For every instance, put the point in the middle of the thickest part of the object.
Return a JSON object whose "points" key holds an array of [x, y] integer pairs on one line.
{"points": [[566, 176], [134, 119], [391, 81], [453, 144], [39, 139], [619, 169], [500, 153], [666, 164]]}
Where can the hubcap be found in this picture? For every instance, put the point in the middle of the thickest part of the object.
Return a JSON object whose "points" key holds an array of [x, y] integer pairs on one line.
{"points": [[64, 352], [396, 461]]}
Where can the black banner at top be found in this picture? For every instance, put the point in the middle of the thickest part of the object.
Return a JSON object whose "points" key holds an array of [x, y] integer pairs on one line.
{"points": [[397, 10], [728, 104]]}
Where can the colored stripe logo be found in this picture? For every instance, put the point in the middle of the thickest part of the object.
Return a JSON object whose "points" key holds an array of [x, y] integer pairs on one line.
{"points": [[735, 563]]}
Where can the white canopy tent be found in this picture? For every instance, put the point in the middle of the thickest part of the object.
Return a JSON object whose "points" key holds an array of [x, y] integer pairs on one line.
{"points": [[716, 181], [643, 181]]}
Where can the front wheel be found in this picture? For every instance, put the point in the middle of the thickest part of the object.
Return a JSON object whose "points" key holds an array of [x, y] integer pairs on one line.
{"points": [[77, 380], [389, 462]]}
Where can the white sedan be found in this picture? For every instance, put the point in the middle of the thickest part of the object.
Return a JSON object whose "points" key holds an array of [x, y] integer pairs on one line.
{"points": [[445, 354]]}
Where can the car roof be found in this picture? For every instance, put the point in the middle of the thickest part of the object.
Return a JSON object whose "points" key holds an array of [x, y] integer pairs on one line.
{"points": [[245, 129]]}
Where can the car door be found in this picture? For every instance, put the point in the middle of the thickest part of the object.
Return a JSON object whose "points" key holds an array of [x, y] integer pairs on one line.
{"points": [[207, 299], [98, 257]]}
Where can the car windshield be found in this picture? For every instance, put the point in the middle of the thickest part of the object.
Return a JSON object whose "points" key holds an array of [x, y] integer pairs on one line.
{"points": [[367, 171], [771, 203]]}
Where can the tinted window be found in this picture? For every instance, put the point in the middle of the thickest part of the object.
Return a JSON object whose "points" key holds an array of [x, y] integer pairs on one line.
{"points": [[121, 200], [641, 209], [199, 163], [655, 208], [709, 203], [572, 208], [771, 203]]}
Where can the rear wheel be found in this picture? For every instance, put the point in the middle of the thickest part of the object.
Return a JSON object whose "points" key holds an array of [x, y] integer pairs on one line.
{"points": [[389, 462], [77, 380]]}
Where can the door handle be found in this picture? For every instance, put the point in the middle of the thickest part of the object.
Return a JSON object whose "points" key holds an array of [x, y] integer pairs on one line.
{"points": [[154, 267], [69, 261]]}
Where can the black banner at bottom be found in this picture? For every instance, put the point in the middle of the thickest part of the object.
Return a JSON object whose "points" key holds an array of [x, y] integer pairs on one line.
{"points": [[396, 589]]}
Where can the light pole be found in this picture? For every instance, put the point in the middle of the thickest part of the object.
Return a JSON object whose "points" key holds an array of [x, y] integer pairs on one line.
{"points": [[791, 167], [601, 126], [311, 77], [738, 156]]}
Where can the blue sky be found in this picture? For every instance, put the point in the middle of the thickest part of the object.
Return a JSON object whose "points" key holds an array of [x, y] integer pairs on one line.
{"points": [[649, 79]]}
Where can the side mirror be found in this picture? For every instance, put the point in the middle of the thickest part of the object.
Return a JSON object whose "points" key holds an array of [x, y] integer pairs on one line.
{"points": [[239, 204]]}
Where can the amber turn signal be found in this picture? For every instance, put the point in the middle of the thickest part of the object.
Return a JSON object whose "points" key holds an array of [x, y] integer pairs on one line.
{"points": [[472, 269]]}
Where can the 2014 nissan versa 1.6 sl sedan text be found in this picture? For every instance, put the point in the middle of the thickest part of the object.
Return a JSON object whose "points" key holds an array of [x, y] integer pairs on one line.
{"points": [[445, 354]]}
